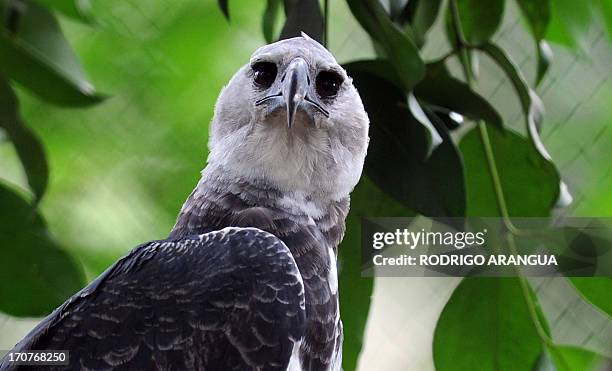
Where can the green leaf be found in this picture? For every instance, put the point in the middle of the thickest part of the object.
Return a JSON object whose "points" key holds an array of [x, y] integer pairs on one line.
{"points": [[224, 6], [79, 10], [304, 16], [452, 120], [486, 326], [395, 7], [532, 108], [400, 160], [537, 14], [288, 5], [569, 358], [29, 148], [581, 251], [399, 48], [376, 67], [578, 359], [605, 9], [270, 17], [441, 89], [37, 56], [569, 23], [35, 274], [545, 56], [467, 57], [479, 22], [425, 15], [382, 69], [530, 102], [529, 182], [433, 137], [367, 200], [596, 290]]}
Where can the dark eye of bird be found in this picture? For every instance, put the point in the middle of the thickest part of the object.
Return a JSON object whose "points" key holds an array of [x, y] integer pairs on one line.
{"points": [[264, 73], [328, 84]]}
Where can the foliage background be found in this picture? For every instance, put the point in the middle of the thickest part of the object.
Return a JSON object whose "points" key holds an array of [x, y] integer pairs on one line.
{"points": [[120, 170]]}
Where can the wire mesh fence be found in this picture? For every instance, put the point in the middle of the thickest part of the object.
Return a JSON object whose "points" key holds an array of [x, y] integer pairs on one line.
{"points": [[576, 95]]}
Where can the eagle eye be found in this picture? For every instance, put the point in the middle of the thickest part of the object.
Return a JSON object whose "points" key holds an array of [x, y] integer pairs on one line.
{"points": [[264, 73], [328, 84]]}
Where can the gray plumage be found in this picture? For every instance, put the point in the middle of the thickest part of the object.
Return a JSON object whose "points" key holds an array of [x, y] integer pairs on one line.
{"points": [[247, 278]]}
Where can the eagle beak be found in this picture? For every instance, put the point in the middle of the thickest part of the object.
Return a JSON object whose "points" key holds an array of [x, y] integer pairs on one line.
{"points": [[295, 87]]}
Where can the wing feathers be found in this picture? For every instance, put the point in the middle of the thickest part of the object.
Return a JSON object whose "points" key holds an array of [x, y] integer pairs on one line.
{"points": [[228, 299]]}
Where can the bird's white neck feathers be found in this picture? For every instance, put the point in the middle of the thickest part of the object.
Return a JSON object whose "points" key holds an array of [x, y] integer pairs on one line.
{"points": [[319, 168], [323, 162]]}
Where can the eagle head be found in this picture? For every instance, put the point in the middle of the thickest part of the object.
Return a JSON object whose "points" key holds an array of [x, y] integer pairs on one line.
{"points": [[291, 117]]}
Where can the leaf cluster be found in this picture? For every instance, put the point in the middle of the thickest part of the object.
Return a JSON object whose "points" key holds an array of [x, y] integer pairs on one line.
{"points": [[35, 55], [416, 165]]}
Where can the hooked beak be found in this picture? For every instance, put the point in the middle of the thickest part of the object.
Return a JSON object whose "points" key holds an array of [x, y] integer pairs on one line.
{"points": [[295, 87]]}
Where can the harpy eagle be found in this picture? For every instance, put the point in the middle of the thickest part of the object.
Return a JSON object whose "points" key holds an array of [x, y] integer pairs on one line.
{"points": [[247, 278]]}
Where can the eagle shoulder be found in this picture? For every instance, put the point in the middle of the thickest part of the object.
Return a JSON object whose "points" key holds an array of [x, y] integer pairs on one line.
{"points": [[227, 299]]}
